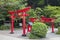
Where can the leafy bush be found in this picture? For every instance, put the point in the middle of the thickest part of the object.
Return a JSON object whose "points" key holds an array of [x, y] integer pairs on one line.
{"points": [[35, 12], [51, 11], [39, 30], [4, 27], [57, 22], [58, 30]]}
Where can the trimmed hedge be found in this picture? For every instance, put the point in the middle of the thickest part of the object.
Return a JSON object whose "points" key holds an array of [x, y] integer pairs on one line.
{"points": [[39, 30]]}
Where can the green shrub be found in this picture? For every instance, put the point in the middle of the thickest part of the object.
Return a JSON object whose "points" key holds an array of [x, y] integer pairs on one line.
{"points": [[39, 30], [4, 27], [57, 22], [58, 30]]}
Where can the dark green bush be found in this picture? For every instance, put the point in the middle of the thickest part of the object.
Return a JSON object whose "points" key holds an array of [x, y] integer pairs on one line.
{"points": [[39, 30], [58, 30], [3, 27]]}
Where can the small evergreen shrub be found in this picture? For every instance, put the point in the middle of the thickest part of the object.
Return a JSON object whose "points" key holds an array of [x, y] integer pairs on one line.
{"points": [[39, 30], [58, 30], [4, 27]]}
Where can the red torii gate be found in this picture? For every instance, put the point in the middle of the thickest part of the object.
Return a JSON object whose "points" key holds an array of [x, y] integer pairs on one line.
{"points": [[44, 19], [23, 14]]}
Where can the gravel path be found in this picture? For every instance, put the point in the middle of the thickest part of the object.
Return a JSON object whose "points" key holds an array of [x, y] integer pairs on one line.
{"points": [[5, 35]]}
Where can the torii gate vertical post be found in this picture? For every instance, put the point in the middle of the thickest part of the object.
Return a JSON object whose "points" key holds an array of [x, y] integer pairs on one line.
{"points": [[24, 25], [12, 21], [52, 26]]}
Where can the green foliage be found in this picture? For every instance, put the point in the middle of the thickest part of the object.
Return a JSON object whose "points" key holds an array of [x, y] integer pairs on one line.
{"points": [[35, 13], [57, 22], [3, 27], [58, 30], [39, 30], [13, 4], [51, 11], [39, 12], [32, 13]]}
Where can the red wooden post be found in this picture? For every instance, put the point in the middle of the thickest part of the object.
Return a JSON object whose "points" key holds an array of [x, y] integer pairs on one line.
{"points": [[12, 25], [52, 25], [24, 25], [12, 21]]}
